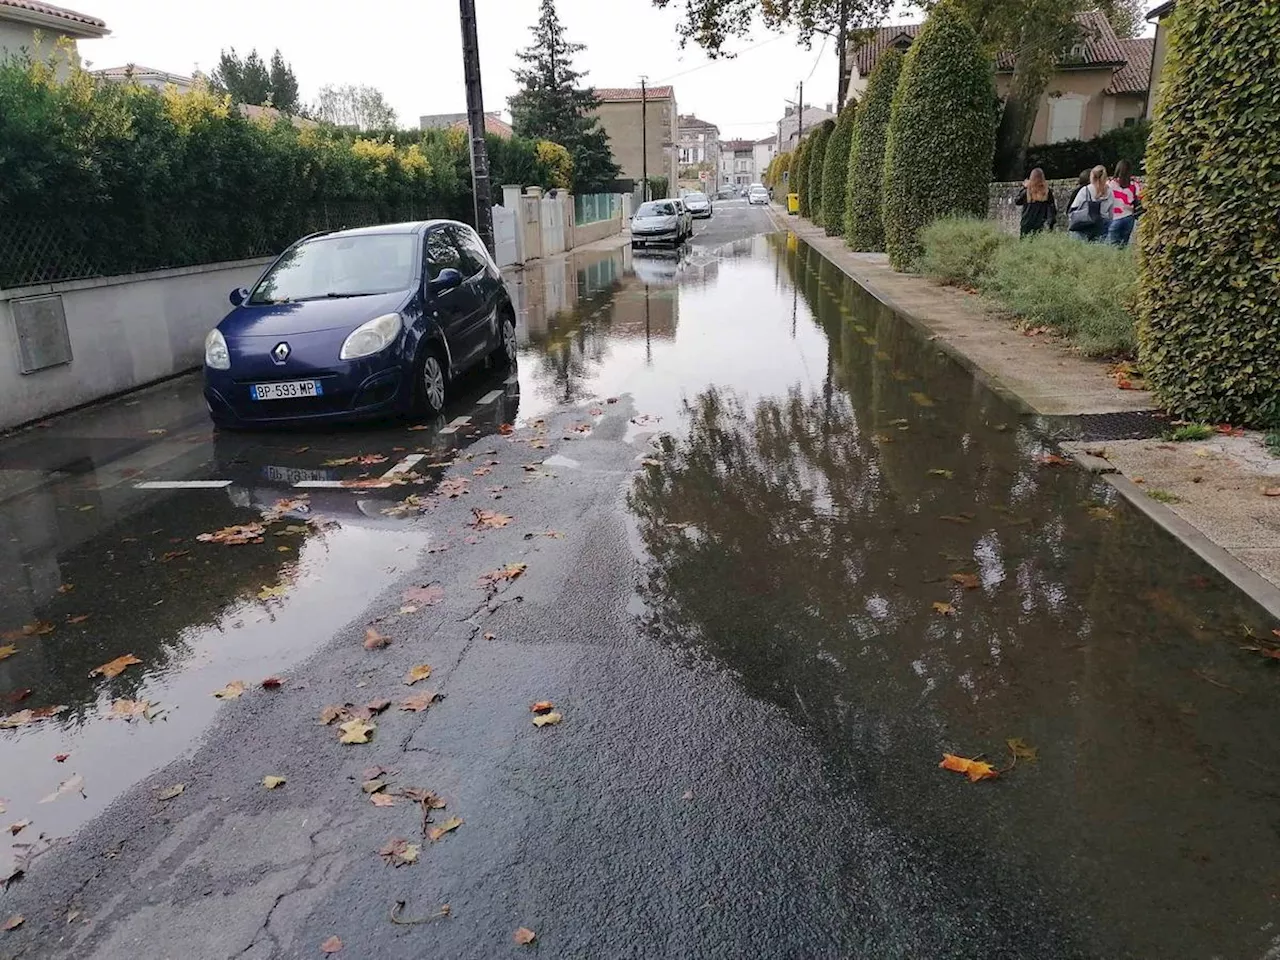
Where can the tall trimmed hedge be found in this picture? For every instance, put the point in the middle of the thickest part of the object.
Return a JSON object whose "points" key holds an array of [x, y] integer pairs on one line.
{"points": [[863, 222], [942, 130], [800, 174], [1209, 294], [835, 171], [1065, 160], [817, 160]]}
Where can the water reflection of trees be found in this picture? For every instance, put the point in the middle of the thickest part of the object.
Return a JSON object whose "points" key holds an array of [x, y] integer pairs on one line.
{"points": [[802, 543]]}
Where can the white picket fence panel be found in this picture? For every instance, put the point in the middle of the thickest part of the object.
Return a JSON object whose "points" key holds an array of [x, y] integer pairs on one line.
{"points": [[505, 245], [552, 214]]}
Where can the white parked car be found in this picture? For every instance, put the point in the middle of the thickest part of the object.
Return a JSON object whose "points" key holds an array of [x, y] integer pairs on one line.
{"points": [[658, 221], [757, 193]]}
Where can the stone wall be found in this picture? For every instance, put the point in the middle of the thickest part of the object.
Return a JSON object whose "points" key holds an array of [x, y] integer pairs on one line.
{"points": [[1000, 206]]}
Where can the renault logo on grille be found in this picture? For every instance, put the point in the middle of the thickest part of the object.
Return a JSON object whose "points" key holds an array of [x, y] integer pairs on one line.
{"points": [[280, 352]]}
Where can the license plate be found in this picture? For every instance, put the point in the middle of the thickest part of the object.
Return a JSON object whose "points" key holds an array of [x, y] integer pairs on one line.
{"points": [[294, 474], [287, 390]]}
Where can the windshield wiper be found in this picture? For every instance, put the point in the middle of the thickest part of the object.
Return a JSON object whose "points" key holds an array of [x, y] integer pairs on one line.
{"points": [[336, 296]]}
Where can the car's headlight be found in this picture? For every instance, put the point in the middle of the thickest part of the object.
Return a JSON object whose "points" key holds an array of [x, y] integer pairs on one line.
{"points": [[216, 355], [369, 338]]}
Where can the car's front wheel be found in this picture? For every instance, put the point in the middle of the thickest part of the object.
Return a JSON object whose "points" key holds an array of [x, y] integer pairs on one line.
{"points": [[504, 354], [432, 384]]}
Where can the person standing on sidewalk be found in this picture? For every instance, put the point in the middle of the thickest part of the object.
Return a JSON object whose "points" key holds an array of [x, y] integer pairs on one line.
{"points": [[1090, 213], [1039, 212], [1127, 194]]}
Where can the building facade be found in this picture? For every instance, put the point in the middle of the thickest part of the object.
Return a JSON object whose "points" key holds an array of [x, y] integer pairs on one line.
{"points": [[737, 162], [763, 153], [791, 125], [698, 142], [150, 77], [1159, 48], [639, 146], [38, 29]]}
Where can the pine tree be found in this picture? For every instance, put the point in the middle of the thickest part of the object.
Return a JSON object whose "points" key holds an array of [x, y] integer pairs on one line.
{"points": [[284, 85], [553, 105]]}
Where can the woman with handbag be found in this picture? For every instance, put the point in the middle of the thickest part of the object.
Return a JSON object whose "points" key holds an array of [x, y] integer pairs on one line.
{"points": [[1089, 215], [1036, 200], [1127, 194]]}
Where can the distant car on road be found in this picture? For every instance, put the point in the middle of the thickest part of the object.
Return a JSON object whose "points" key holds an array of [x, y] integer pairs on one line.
{"points": [[658, 221], [757, 193], [359, 324], [698, 204]]}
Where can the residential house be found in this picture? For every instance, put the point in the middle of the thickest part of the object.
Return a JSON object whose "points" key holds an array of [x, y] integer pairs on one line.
{"points": [[763, 153], [146, 77], [791, 125], [1100, 84], [737, 162], [21, 21], [1160, 46], [698, 142], [493, 123], [641, 147]]}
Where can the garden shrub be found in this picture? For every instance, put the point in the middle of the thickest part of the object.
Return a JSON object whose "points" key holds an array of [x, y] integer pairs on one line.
{"points": [[1209, 303], [817, 159], [1086, 291], [863, 224], [941, 138], [960, 251], [1065, 160], [800, 175], [835, 171]]}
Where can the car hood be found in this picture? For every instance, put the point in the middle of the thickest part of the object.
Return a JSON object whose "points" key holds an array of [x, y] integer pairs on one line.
{"points": [[309, 316], [654, 221]]}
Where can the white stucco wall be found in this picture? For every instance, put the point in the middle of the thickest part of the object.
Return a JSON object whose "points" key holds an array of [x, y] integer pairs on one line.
{"points": [[18, 37]]}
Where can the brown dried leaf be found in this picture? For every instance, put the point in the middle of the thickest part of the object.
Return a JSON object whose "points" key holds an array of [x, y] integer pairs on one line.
{"points": [[7, 651], [421, 672], [376, 707], [382, 799], [975, 770], [946, 609], [420, 702], [168, 793], [488, 519], [37, 629], [1021, 750], [427, 596], [332, 712], [24, 717], [542, 706], [524, 935], [373, 785], [129, 709], [81, 618], [969, 581], [399, 852], [115, 667], [231, 691], [174, 555], [17, 828], [272, 683], [547, 719], [13, 923], [235, 535], [332, 945], [373, 640], [510, 572], [435, 833]]}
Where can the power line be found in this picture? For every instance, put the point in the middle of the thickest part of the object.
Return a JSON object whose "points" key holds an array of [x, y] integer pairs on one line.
{"points": [[709, 63], [821, 51]]}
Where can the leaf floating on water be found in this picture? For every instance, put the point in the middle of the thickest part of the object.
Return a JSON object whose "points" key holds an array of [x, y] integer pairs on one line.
{"points": [[168, 793], [235, 535], [37, 629], [946, 609], [975, 770], [73, 785], [969, 581], [17, 828], [115, 667], [399, 852], [524, 935], [956, 518], [273, 593], [921, 399], [356, 731], [1022, 750], [373, 640], [940, 472], [130, 710], [421, 672], [450, 825], [24, 717], [7, 651], [427, 596], [272, 782], [231, 691], [547, 719]]}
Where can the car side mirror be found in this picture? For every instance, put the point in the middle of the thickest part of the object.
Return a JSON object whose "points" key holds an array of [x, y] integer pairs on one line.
{"points": [[446, 279], [239, 295]]}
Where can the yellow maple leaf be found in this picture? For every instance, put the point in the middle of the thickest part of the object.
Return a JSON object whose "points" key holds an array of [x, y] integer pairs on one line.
{"points": [[231, 691], [546, 719], [356, 731], [271, 782], [975, 770], [115, 667], [435, 833], [420, 672]]}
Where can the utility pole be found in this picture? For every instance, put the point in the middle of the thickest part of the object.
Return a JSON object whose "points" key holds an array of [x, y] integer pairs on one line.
{"points": [[800, 117], [644, 143], [475, 120]]}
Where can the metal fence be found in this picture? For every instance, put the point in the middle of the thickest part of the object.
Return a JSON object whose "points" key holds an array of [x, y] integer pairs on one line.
{"points": [[48, 248], [594, 207]]}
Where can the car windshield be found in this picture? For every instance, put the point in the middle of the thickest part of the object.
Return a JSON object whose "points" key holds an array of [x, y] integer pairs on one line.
{"points": [[651, 209], [695, 197], [759, 190], [340, 266]]}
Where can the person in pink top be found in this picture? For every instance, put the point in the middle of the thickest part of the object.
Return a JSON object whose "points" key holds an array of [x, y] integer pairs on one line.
{"points": [[1127, 194]]}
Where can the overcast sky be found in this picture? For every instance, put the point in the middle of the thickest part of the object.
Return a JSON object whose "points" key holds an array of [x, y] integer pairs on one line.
{"points": [[410, 50]]}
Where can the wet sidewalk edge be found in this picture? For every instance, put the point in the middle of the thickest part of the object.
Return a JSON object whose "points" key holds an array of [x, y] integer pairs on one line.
{"points": [[1248, 580]]}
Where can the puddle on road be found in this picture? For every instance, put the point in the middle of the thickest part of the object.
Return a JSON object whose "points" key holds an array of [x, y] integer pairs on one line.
{"points": [[830, 478]]}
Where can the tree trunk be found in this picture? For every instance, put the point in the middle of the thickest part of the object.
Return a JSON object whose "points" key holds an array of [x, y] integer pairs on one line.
{"points": [[842, 54], [1031, 73]]}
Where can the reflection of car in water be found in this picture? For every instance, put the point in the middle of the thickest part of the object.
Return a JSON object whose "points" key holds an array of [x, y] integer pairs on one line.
{"points": [[359, 324], [659, 268]]}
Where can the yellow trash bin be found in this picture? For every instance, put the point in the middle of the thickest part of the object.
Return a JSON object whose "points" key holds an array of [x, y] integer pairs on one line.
{"points": [[793, 203]]}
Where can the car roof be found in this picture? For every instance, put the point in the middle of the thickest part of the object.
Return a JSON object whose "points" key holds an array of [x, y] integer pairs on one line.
{"points": [[413, 226]]}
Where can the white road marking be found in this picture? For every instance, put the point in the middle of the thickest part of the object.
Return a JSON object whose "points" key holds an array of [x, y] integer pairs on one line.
{"points": [[488, 398], [405, 465], [182, 485], [327, 484], [454, 424]]}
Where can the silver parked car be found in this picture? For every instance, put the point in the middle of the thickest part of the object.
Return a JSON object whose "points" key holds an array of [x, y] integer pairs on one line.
{"points": [[699, 204], [686, 218], [658, 221]]}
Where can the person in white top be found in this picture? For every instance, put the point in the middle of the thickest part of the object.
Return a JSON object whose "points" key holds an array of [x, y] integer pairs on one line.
{"points": [[1127, 194], [1089, 215]]}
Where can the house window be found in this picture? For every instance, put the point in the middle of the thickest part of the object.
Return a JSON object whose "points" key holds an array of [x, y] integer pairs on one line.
{"points": [[1130, 121], [1066, 118]]}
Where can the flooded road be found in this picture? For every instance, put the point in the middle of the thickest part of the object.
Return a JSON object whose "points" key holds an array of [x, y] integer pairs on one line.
{"points": [[782, 555]]}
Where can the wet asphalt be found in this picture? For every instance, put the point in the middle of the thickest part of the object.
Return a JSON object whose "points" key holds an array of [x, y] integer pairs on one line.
{"points": [[781, 553]]}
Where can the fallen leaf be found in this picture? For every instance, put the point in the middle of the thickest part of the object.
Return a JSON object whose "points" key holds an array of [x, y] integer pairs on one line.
{"points": [[7, 651], [60, 757], [1021, 750], [272, 782], [424, 797], [506, 429], [975, 770], [969, 581], [373, 785], [419, 703], [427, 596], [488, 519], [168, 793], [17, 828], [373, 640], [24, 717], [399, 852], [375, 707], [235, 535], [129, 709], [421, 672], [511, 571], [331, 713], [953, 518], [332, 945], [547, 719], [231, 691], [273, 593], [86, 508], [13, 923], [382, 799], [74, 785], [450, 825], [524, 935], [482, 471], [921, 399], [66, 588], [174, 555], [17, 696], [272, 683], [1052, 460], [356, 731], [371, 459], [939, 472], [542, 706], [1272, 653], [946, 609], [115, 667], [78, 619]]}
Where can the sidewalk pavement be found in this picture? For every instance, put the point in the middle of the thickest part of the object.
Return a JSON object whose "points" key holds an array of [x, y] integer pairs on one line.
{"points": [[1220, 497]]}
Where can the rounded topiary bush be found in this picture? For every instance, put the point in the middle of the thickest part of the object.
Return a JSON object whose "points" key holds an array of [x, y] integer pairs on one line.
{"points": [[800, 175], [941, 133], [817, 158], [863, 225], [835, 171], [1209, 242]]}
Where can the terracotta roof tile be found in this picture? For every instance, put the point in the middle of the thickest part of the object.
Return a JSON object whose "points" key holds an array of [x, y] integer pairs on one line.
{"points": [[633, 93], [868, 53], [1135, 75], [49, 10]]}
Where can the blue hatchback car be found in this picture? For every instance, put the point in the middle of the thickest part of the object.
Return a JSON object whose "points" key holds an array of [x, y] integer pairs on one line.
{"points": [[359, 324]]}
